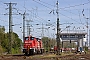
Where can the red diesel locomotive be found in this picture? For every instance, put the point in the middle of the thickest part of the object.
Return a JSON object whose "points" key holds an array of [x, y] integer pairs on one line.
{"points": [[32, 46]]}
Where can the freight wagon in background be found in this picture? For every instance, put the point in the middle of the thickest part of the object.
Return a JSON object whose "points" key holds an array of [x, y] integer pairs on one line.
{"points": [[32, 45]]}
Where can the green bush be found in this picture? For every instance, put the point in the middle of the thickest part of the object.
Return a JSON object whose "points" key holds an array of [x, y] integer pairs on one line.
{"points": [[16, 51], [1, 49]]}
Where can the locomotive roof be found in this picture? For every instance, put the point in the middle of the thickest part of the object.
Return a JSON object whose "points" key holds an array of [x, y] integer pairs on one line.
{"points": [[38, 39]]}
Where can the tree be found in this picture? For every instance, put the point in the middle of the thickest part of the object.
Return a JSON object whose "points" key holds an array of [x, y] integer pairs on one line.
{"points": [[4, 41], [48, 43], [16, 44]]}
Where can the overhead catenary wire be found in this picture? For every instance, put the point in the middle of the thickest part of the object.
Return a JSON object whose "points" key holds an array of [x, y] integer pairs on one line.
{"points": [[71, 18], [65, 7], [76, 5], [80, 17], [1, 7], [38, 16], [39, 19], [50, 4], [42, 4], [51, 8], [47, 3], [31, 12], [2, 3]]}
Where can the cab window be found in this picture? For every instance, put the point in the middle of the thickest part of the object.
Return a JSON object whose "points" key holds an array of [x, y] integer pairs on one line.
{"points": [[37, 39], [31, 38], [26, 38]]}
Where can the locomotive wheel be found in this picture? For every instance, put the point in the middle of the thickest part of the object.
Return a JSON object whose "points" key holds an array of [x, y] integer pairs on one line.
{"points": [[31, 51], [26, 53]]}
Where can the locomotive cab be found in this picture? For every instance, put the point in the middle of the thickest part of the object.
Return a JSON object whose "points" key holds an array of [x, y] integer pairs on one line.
{"points": [[29, 46], [32, 45]]}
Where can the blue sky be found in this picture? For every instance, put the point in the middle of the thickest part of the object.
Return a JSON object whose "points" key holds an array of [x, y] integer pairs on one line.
{"points": [[70, 11]]}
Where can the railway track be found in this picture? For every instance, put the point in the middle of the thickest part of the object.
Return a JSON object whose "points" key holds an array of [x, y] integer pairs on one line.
{"points": [[19, 57], [46, 57]]}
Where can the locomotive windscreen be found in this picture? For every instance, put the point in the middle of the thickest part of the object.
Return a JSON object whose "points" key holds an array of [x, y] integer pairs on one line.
{"points": [[37, 39], [26, 38], [31, 38]]}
